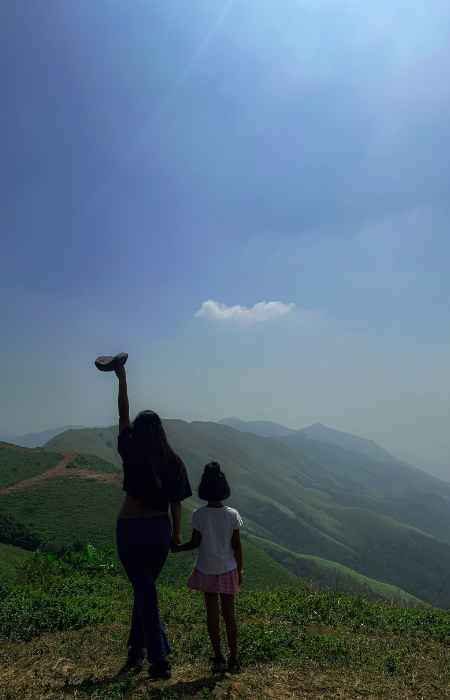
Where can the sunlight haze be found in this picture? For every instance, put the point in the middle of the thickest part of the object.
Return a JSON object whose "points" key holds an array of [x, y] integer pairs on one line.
{"points": [[250, 198]]}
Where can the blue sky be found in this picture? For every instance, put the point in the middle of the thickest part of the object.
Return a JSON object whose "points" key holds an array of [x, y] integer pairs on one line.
{"points": [[160, 155]]}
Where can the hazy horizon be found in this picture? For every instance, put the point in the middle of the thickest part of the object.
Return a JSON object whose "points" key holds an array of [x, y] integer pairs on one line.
{"points": [[250, 198], [435, 469]]}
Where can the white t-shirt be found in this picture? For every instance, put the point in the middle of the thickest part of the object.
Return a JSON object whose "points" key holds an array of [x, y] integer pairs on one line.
{"points": [[216, 525]]}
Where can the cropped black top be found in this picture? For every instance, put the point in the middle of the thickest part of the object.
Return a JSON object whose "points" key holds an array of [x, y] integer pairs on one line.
{"points": [[156, 488]]}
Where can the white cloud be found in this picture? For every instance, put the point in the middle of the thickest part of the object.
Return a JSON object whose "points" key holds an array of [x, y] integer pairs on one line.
{"points": [[262, 311]]}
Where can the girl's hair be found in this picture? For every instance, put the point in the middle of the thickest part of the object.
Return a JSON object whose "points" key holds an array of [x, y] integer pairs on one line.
{"points": [[150, 444], [213, 485]]}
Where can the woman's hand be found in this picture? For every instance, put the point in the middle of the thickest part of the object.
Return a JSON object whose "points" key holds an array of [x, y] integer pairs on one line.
{"points": [[193, 543], [175, 543], [240, 573], [175, 546]]}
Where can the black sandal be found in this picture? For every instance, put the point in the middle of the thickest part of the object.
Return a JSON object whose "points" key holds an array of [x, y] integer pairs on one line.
{"points": [[134, 662], [234, 665], [218, 664], [108, 363], [160, 671]]}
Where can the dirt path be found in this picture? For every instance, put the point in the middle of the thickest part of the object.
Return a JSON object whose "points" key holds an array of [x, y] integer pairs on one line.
{"points": [[60, 470]]}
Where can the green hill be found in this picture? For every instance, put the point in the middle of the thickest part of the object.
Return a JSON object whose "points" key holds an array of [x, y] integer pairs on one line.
{"points": [[67, 510], [353, 443], [263, 428], [101, 442], [18, 463], [336, 577], [385, 520], [71, 509], [11, 559], [73, 613]]}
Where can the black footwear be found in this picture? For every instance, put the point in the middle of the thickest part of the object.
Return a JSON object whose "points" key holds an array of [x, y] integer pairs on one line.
{"points": [[160, 671], [134, 662], [218, 664], [108, 363], [234, 665]]}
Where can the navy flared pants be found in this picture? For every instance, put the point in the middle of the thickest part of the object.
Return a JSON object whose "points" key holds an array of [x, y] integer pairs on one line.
{"points": [[143, 545]]}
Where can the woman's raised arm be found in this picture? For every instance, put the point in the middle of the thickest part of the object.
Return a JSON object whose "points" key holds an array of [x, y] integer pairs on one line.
{"points": [[124, 407]]}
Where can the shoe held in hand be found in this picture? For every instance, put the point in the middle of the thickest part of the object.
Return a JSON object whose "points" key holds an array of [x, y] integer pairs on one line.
{"points": [[108, 363]]}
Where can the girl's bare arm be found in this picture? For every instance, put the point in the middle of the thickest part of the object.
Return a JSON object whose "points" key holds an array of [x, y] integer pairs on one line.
{"points": [[237, 549]]}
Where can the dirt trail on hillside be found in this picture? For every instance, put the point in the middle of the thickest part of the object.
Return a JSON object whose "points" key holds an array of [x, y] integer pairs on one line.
{"points": [[60, 470]]}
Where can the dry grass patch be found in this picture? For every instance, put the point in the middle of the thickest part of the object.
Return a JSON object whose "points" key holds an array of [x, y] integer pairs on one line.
{"points": [[86, 663]]}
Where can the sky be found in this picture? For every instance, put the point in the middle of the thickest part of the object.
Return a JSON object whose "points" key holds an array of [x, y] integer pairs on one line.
{"points": [[248, 196]]}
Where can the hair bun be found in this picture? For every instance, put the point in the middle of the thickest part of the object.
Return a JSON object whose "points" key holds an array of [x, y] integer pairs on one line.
{"points": [[212, 468]]}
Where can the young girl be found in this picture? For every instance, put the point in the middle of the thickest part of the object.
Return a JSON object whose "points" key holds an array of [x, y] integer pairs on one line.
{"points": [[218, 570]]}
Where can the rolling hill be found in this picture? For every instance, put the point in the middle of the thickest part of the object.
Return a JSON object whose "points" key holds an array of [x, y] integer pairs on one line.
{"points": [[11, 558], [263, 428], [346, 441], [35, 439], [17, 464], [64, 501], [381, 518]]}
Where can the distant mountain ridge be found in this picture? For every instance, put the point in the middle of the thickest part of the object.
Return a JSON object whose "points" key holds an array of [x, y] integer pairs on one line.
{"points": [[316, 431], [38, 439], [347, 441], [263, 428]]}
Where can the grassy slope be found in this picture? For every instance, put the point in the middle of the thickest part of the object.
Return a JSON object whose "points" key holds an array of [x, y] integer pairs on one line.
{"points": [[295, 643], [329, 503], [335, 576], [66, 510], [386, 487], [11, 558], [93, 463], [18, 463], [70, 509], [96, 441]]}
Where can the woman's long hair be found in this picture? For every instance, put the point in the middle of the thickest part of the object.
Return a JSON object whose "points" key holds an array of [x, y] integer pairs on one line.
{"points": [[150, 445]]}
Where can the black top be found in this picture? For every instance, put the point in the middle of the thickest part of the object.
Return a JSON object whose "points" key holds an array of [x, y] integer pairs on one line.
{"points": [[156, 488]]}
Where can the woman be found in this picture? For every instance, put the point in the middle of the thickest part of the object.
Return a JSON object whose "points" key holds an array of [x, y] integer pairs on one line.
{"points": [[154, 479]]}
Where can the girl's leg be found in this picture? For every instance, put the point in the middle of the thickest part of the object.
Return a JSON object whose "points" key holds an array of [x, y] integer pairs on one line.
{"points": [[213, 620], [229, 617]]}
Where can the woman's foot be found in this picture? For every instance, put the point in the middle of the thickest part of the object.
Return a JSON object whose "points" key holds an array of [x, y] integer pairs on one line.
{"points": [[134, 662], [218, 664], [160, 670], [234, 665]]}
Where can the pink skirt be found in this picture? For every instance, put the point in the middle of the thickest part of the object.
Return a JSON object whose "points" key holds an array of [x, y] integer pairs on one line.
{"points": [[215, 583]]}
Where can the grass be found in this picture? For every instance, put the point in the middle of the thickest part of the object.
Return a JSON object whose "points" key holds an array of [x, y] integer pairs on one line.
{"points": [[294, 642], [11, 558], [331, 575], [18, 463], [94, 463], [68, 509]]}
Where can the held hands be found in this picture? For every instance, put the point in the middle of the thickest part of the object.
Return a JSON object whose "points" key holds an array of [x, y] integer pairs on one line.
{"points": [[175, 543]]}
